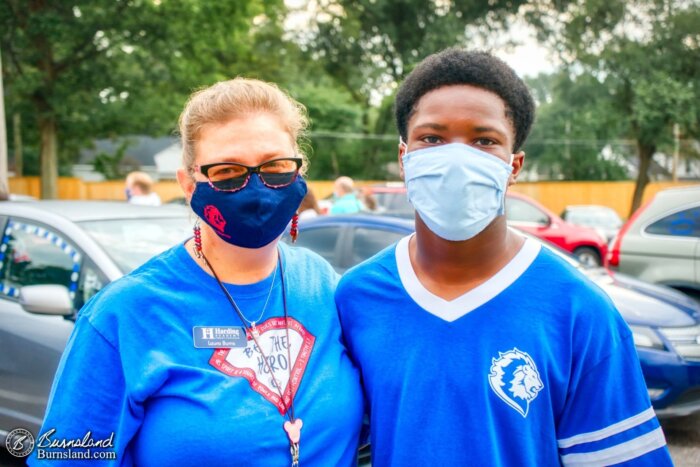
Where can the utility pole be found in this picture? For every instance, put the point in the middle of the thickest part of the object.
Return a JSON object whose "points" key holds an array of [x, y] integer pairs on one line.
{"points": [[567, 151], [4, 187], [676, 150]]}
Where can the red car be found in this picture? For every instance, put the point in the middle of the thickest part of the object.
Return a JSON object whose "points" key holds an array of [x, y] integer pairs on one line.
{"points": [[524, 213], [527, 214]]}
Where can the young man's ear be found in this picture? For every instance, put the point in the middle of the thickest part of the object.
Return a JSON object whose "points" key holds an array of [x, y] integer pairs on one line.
{"points": [[402, 151], [187, 183], [518, 159]]}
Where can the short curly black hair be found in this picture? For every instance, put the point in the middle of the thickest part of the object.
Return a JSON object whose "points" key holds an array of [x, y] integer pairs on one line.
{"points": [[456, 66]]}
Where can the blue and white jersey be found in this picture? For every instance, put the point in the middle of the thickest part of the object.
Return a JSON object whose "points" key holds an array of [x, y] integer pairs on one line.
{"points": [[533, 367]]}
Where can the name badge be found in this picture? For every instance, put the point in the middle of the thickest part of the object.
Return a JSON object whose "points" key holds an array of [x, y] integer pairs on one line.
{"points": [[219, 337]]}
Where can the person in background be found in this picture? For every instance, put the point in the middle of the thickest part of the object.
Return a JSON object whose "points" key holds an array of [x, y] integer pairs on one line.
{"points": [[139, 189], [476, 345], [226, 349], [368, 200], [309, 206], [346, 200]]}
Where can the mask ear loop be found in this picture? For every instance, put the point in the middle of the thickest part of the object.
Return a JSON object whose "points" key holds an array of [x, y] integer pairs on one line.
{"points": [[405, 146]]}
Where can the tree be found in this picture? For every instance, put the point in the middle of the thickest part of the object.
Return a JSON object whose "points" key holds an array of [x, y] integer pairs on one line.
{"points": [[368, 46], [645, 52], [575, 127], [80, 66]]}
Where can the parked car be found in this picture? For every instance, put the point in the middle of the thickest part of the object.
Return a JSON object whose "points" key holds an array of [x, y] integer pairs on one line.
{"points": [[523, 212], [54, 255], [661, 241], [603, 219], [665, 323]]}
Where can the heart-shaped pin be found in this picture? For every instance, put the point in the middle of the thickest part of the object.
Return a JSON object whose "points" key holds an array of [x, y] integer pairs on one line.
{"points": [[279, 345], [294, 430]]}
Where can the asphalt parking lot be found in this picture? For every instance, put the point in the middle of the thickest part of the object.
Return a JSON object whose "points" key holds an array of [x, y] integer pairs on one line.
{"points": [[683, 438]]}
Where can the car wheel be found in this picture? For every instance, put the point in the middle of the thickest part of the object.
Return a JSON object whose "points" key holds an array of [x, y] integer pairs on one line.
{"points": [[588, 256]]}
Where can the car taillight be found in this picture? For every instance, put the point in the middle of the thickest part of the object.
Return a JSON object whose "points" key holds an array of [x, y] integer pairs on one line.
{"points": [[614, 251]]}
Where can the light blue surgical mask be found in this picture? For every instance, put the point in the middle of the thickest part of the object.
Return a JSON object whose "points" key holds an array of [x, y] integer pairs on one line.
{"points": [[456, 189]]}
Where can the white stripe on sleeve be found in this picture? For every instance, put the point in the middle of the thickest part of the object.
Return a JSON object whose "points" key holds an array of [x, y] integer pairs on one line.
{"points": [[622, 452], [611, 430]]}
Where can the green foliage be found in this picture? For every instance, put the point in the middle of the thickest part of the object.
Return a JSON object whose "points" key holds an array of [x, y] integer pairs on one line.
{"points": [[645, 52], [102, 68], [112, 166], [576, 124]]}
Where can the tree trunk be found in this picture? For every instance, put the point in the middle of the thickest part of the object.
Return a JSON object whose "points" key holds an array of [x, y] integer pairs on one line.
{"points": [[646, 153], [19, 151], [49, 157]]}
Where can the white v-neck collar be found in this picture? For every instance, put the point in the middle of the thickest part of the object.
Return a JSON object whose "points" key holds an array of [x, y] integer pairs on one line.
{"points": [[460, 306]]}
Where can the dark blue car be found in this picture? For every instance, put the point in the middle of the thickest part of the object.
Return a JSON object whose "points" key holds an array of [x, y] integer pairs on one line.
{"points": [[665, 323]]}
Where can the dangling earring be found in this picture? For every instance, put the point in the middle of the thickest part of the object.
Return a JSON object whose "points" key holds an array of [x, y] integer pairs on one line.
{"points": [[294, 230], [197, 239]]}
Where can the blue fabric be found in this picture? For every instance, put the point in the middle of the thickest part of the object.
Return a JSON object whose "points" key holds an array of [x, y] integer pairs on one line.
{"points": [[431, 384], [347, 204], [251, 217], [130, 368]]}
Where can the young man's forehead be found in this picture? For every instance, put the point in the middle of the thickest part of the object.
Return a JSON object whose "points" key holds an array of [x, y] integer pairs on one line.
{"points": [[456, 105]]}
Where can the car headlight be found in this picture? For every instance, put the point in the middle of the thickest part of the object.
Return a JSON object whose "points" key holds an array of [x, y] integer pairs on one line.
{"points": [[686, 341], [646, 337]]}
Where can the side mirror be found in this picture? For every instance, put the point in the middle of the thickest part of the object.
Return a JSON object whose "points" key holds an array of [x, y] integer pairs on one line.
{"points": [[46, 299], [544, 221]]}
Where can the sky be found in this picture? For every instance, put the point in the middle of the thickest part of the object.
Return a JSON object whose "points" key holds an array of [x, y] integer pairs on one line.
{"points": [[528, 59]]}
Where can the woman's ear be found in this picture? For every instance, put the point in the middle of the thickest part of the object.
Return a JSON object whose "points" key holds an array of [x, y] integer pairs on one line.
{"points": [[187, 183]]}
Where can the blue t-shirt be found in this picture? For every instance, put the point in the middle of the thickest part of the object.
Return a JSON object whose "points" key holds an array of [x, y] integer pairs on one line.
{"points": [[534, 367], [346, 204], [130, 368]]}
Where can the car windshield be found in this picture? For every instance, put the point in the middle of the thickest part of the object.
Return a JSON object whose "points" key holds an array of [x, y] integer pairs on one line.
{"points": [[131, 242], [595, 218]]}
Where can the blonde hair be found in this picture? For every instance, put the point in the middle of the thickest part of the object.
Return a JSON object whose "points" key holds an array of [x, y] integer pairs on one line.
{"points": [[141, 180], [239, 97]]}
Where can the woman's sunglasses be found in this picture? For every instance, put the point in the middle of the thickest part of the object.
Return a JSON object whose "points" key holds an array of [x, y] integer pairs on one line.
{"points": [[231, 176]]}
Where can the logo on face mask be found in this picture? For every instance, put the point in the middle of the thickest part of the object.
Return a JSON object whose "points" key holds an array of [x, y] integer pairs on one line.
{"points": [[214, 218]]}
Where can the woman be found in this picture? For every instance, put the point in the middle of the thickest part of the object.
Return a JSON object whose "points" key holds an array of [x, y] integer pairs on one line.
{"points": [[225, 350]]}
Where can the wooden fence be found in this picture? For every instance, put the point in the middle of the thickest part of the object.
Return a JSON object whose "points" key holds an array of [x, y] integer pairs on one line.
{"points": [[554, 195]]}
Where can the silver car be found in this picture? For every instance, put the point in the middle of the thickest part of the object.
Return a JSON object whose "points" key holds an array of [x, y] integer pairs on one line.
{"points": [[661, 241], [55, 255], [601, 218]]}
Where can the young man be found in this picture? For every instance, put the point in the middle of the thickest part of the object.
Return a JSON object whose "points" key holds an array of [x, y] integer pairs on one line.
{"points": [[477, 346]]}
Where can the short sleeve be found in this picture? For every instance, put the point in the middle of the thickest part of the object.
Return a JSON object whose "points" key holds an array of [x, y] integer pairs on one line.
{"points": [[608, 419], [88, 398]]}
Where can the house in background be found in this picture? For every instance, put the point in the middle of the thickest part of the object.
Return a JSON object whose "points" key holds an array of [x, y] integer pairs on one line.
{"points": [[158, 157]]}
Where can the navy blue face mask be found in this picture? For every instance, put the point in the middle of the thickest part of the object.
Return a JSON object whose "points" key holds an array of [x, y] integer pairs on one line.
{"points": [[252, 217]]}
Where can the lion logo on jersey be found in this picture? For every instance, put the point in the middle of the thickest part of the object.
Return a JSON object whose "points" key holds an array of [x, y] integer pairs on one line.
{"points": [[515, 379]]}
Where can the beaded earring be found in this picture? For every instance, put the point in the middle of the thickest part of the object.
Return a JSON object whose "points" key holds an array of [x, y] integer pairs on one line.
{"points": [[294, 230], [197, 239]]}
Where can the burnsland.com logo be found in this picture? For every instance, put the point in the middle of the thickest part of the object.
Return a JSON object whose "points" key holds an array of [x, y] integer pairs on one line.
{"points": [[19, 442]]}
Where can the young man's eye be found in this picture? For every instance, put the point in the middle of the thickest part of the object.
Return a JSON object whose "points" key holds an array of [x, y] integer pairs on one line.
{"points": [[485, 142], [431, 139]]}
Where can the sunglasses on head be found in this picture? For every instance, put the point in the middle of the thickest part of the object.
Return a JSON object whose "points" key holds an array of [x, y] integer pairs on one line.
{"points": [[232, 176]]}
